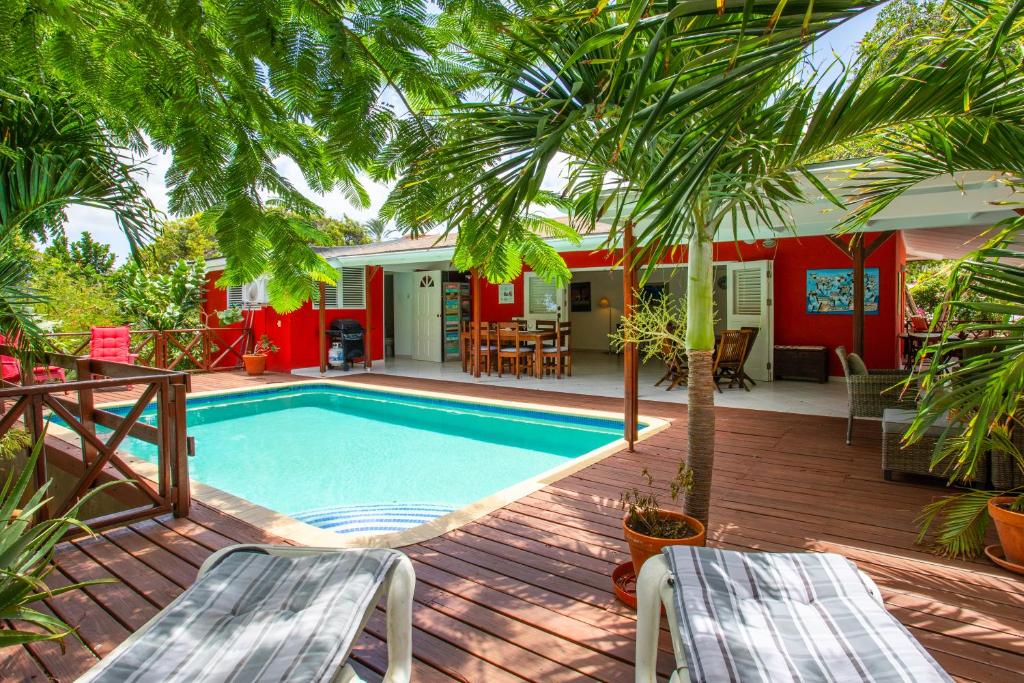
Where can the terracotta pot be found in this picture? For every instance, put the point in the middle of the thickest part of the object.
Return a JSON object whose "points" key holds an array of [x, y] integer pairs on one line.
{"points": [[643, 547], [255, 363], [1010, 527]]}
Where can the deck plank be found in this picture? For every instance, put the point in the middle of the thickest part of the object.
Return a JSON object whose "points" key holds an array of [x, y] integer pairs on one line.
{"points": [[524, 593]]}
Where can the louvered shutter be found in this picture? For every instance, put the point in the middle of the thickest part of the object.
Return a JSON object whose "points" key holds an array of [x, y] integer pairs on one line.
{"points": [[235, 296], [353, 287], [747, 297]]}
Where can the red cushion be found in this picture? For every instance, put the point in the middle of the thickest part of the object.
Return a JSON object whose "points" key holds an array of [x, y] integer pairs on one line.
{"points": [[110, 343], [918, 323]]}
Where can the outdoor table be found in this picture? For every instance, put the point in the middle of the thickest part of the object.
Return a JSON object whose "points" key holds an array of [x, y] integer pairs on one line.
{"points": [[535, 337]]}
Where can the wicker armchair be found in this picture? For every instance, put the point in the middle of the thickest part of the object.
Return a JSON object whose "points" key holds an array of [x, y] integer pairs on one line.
{"points": [[1005, 472], [870, 392]]}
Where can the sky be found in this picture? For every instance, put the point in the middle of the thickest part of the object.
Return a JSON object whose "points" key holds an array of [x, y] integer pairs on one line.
{"points": [[841, 42]]}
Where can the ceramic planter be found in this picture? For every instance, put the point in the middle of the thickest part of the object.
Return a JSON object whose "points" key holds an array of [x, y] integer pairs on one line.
{"points": [[1010, 527], [642, 547], [255, 363]]}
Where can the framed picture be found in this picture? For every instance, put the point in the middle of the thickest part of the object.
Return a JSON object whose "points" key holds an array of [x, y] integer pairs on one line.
{"points": [[653, 292], [506, 293], [830, 291], [579, 297]]}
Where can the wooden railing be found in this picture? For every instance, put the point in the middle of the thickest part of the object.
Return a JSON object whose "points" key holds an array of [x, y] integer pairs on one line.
{"points": [[29, 407], [200, 349]]}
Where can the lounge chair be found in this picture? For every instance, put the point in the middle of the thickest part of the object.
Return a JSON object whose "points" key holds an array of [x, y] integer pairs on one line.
{"points": [[272, 613], [772, 617], [10, 370]]}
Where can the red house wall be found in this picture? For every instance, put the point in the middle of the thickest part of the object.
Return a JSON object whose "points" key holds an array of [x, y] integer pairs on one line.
{"points": [[296, 333], [792, 258]]}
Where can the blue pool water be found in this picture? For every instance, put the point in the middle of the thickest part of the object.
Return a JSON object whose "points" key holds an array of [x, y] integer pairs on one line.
{"points": [[356, 460]]}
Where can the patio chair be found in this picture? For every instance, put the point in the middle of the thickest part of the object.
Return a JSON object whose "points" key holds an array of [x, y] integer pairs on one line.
{"points": [[511, 349], [10, 370], [676, 367], [272, 613], [112, 343], [729, 359], [559, 356], [488, 346], [756, 616], [870, 392], [751, 338]]}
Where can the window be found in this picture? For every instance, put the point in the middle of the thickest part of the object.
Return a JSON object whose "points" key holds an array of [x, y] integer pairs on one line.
{"points": [[352, 285], [543, 297], [746, 291], [235, 296]]}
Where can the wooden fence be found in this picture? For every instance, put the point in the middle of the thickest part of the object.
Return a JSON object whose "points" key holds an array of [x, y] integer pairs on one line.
{"points": [[201, 349], [29, 405]]}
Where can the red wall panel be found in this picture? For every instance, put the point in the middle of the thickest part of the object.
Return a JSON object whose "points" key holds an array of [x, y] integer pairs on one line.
{"points": [[296, 333]]}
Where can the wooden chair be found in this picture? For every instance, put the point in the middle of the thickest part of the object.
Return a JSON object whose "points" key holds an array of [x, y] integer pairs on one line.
{"points": [[677, 369], [510, 349], [466, 344], [559, 355], [732, 351], [522, 322], [488, 346], [751, 338]]}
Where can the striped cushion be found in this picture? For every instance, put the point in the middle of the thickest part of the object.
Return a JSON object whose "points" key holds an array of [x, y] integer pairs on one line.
{"points": [[258, 617], [788, 617]]}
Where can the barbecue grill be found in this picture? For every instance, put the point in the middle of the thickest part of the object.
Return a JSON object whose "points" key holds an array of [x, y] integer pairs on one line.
{"points": [[350, 334]]}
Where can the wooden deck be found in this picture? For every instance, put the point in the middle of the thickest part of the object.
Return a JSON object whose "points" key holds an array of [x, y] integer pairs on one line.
{"points": [[524, 593]]}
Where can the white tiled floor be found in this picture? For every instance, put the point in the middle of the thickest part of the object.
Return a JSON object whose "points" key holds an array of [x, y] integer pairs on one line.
{"points": [[599, 374]]}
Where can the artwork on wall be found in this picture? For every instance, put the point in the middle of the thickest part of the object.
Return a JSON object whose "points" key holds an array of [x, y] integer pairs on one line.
{"points": [[653, 292], [579, 297], [830, 290], [506, 293]]}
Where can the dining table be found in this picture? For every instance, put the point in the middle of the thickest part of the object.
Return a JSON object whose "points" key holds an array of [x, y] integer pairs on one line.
{"points": [[535, 337]]}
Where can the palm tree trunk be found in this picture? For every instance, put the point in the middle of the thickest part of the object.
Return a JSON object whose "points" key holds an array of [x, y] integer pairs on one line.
{"points": [[700, 349]]}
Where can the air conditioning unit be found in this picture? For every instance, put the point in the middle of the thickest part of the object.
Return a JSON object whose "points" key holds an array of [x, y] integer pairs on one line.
{"points": [[254, 294]]}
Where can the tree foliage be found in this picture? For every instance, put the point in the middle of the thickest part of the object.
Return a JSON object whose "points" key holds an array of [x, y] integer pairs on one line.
{"points": [[229, 89], [165, 300], [85, 253]]}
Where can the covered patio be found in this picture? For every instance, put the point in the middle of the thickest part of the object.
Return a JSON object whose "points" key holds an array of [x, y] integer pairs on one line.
{"points": [[524, 593]]}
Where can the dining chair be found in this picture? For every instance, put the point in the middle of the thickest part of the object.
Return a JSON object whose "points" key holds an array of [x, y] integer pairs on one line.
{"points": [[488, 346], [509, 349], [465, 343], [729, 359], [547, 326], [559, 355], [676, 367], [751, 338]]}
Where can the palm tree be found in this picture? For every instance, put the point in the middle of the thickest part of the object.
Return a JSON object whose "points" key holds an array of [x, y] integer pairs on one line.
{"points": [[685, 121], [378, 228], [52, 157]]}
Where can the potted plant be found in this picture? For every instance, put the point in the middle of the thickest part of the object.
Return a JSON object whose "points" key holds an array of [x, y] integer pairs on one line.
{"points": [[256, 361], [972, 383], [229, 316], [649, 528], [1007, 512]]}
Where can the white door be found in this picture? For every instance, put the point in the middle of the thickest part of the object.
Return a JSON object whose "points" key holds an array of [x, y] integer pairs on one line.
{"points": [[749, 291], [427, 316], [544, 300]]}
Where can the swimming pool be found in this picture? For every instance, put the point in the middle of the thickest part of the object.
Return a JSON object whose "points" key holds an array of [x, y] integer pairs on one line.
{"points": [[356, 460]]}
